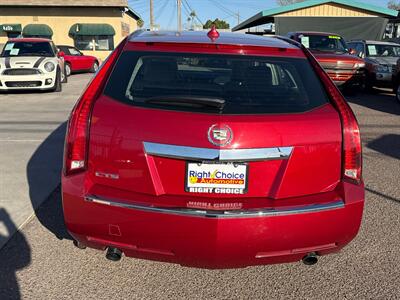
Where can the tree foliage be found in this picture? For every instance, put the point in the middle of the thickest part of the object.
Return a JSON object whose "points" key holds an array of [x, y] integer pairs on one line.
{"points": [[287, 2], [394, 5], [140, 23], [219, 24], [192, 21]]}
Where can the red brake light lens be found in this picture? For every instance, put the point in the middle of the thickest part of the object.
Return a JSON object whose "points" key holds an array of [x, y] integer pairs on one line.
{"points": [[352, 155], [76, 143]]}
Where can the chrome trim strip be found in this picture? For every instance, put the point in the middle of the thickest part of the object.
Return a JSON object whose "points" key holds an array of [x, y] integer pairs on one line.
{"points": [[199, 154], [221, 214]]}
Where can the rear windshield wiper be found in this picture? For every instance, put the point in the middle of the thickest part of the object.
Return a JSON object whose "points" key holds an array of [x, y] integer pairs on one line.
{"points": [[193, 101]]}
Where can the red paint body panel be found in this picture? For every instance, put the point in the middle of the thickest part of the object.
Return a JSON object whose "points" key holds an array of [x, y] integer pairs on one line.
{"points": [[212, 243], [213, 48], [80, 63], [117, 148], [311, 175]]}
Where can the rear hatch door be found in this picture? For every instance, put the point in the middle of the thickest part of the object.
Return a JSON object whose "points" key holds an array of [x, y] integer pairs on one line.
{"points": [[275, 137]]}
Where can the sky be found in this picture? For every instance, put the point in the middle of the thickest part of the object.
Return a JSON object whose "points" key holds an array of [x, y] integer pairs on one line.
{"points": [[166, 16]]}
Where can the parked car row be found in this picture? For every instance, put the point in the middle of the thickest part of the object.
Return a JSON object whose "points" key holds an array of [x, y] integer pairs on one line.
{"points": [[357, 63], [37, 64], [331, 51], [380, 61]]}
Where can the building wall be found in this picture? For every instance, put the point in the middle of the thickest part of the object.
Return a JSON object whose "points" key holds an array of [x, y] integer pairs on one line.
{"points": [[327, 10], [60, 20], [366, 28]]}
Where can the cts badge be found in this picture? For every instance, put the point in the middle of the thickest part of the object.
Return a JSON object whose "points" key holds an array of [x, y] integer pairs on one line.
{"points": [[220, 135]]}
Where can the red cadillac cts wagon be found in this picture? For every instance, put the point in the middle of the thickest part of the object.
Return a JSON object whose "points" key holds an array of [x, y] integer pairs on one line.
{"points": [[213, 151]]}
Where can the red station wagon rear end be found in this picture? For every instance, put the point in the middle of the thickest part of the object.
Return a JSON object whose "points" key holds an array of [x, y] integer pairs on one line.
{"points": [[212, 151]]}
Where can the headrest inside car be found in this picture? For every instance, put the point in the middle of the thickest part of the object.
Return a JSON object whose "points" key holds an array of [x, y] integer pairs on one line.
{"points": [[160, 70]]}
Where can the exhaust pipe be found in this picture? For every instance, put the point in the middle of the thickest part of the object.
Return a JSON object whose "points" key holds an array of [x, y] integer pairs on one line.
{"points": [[310, 259], [113, 254]]}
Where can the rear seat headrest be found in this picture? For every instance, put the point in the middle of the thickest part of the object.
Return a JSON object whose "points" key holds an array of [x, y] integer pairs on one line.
{"points": [[160, 70]]}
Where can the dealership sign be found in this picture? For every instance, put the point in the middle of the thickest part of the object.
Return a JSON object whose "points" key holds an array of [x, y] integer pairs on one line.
{"points": [[11, 27]]}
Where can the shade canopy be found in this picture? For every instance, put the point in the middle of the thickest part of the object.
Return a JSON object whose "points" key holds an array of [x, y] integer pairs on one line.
{"points": [[37, 30], [267, 16], [91, 29]]}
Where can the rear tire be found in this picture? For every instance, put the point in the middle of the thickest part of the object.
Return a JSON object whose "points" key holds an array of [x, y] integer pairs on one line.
{"points": [[57, 86], [397, 93], [350, 90], [68, 70], [64, 77], [369, 88], [368, 85], [94, 67]]}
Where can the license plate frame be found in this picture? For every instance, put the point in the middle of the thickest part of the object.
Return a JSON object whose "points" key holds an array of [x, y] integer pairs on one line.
{"points": [[216, 189]]}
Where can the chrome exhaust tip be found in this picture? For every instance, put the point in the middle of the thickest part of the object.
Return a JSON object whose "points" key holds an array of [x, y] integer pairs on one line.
{"points": [[113, 254], [310, 259]]}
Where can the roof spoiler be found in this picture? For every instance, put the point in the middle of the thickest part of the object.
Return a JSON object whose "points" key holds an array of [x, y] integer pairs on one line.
{"points": [[288, 40]]}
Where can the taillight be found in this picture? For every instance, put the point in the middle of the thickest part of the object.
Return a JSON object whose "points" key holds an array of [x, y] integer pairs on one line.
{"points": [[76, 142], [352, 157]]}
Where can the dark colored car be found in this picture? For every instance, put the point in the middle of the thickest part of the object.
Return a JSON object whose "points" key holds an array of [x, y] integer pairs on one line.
{"points": [[214, 151], [396, 80], [332, 52], [76, 61], [380, 59]]}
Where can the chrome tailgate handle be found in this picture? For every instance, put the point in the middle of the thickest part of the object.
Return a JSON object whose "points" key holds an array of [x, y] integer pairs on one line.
{"points": [[200, 154]]}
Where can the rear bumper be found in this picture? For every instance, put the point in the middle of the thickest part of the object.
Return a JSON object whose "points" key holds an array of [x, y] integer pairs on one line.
{"points": [[211, 241]]}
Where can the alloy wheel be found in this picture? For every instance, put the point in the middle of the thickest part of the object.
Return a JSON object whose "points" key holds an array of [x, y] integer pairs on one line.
{"points": [[68, 70]]}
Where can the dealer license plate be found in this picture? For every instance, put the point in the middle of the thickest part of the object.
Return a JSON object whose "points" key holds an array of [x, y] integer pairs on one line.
{"points": [[216, 178]]}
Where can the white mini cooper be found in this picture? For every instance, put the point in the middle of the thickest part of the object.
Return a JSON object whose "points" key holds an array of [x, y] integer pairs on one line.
{"points": [[31, 63]]}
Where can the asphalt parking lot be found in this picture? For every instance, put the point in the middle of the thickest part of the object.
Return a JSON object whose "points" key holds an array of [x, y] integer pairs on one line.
{"points": [[40, 261]]}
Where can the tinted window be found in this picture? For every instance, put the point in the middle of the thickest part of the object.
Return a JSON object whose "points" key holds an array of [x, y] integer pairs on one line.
{"points": [[27, 49], [84, 42], [358, 47], [247, 84]]}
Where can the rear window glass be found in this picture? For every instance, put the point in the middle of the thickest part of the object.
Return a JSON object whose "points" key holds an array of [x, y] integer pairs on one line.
{"points": [[246, 85]]}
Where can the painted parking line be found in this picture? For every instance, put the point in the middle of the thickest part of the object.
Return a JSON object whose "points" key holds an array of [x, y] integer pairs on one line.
{"points": [[33, 141]]}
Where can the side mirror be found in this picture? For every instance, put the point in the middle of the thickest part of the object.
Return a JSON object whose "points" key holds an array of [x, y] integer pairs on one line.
{"points": [[61, 54], [352, 51]]}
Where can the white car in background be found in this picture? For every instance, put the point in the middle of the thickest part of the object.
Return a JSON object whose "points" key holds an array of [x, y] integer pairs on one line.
{"points": [[31, 63]]}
